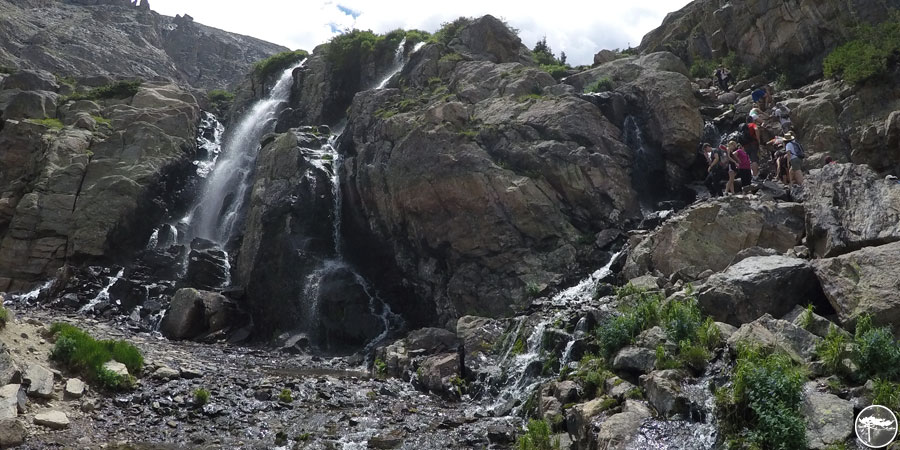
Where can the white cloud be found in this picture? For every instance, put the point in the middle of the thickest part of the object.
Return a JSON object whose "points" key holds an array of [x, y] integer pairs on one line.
{"points": [[579, 28]]}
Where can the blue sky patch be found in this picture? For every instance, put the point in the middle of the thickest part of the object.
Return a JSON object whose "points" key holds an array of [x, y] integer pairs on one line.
{"points": [[348, 11]]}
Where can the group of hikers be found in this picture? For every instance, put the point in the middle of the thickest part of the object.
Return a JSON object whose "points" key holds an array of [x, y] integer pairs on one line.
{"points": [[738, 160]]}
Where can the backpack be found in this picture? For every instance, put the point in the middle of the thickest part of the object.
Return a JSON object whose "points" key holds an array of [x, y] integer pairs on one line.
{"points": [[798, 150], [744, 136]]}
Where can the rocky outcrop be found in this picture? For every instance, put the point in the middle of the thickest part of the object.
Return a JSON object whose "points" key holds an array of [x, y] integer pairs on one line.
{"points": [[124, 41], [866, 281], [759, 285], [849, 207], [193, 313], [762, 33], [478, 181], [74, 194], [709, 235], [776, 334]]}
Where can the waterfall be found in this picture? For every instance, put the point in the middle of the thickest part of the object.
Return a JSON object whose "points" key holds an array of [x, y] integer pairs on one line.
{"points": [[648, 166], [219, 208], [399, 61], [103, 295]]}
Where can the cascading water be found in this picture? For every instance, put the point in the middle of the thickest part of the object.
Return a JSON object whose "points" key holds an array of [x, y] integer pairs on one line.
{"points": [[399, 61], [218, 209], [649, 166], [103, 295]]}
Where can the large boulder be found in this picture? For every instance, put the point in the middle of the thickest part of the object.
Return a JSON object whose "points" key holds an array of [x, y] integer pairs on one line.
{"points": [[663, 390], [30, 80], [759, 285], [489, 38], [776, 334], [710, 235], [193, 313], [471, 214], [829, 418], [866, 281], [479, 336], [30, 105], [619, 430], [848, 207]]}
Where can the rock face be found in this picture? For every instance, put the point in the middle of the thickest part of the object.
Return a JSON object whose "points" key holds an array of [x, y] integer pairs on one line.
{"points": [[492, 192], [759, 285], [79, 195], [850, 207], [124, 41], [866, 281], [763, 33], [829, 418], [709, 235]]}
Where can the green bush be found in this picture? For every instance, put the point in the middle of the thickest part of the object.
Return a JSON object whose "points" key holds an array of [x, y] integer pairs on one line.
{"points": [[285, 396], [219, 100], [591, 374], [831, 350], [557, 71], [875, 353], [119, 89], [55, 124], [621, 330], [537, 437], [201, 397], [868, 55], [4, 316], [602, 85], [278, 62], [703, 68], [682, 320], [886, 393], [762, 406], [80, 352], [806, 317], [449, 30]]}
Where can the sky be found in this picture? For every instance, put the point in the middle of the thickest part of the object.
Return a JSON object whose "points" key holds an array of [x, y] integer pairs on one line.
{"points": [[577, 27]]}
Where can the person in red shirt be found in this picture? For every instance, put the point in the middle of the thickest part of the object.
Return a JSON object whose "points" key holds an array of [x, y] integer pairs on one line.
{"points": [[743, 166], [751, 146]]}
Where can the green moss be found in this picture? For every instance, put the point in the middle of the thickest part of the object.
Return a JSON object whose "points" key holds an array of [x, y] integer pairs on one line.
{"points": [[518, 347], [602, 85], [117, 90], [451, 57], [219, 101], [80, 352], [7, 70], [278, 62], [201, 396], [527, 97], [101, 120], [285, 396], [55, 124]]}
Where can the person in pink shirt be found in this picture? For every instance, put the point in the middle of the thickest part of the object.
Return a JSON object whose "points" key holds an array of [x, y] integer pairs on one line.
{"points": [[743, 166]]}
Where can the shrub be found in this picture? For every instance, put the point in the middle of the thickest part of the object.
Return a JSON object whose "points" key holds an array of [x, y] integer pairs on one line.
{"points": [[219, 100], [709, 334], [703, 68], [602, 85], [119, 89], [537, 437], [450, 30], [692, 355], [868, 55], [201, 397], [80, 352], [876, 353], [557, 71], [621, 330], [451, 57], [277, 63], [831, 350], [806, 317], [380, 367], [347, 51], [886, 393], [54, 124], [591, 374], [682, 320], [762, 406], [4, 316], [533, 289], [285, 396]]}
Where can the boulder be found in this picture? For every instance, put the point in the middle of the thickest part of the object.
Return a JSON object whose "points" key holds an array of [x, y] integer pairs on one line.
{"points": [[866, 281], [635, 359], [618, 388], [489, 38], [663, 388], [116, 368], [192, 313], [12, 433], [31, 105], [709, 235], [759, 285], [848, 207], [30, 80], [619, 429], [75, 387], [39, 380], [55, 420], [812, 322], [778, 334], [829, 418], [580, 420], [436, 371], [166, 373], [432, 340], [208, 266], [479, 335], [9, 370], [13, 394]]}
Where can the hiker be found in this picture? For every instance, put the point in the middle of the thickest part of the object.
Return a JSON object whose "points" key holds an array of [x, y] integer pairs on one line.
{"points": [[760, 97], [828, 160], [796, 154], [783, 114], [732, 166], [716, 170], [749, 138], [782, 162], [723, 77], [743, 165]]}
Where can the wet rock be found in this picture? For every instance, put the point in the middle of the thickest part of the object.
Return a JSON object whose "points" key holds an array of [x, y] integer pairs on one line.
{"points": [[74, 388], [12, 433], [663, 390], [580, 420], [618, 388], [866, 281], [555, 340], [55, 420], [616, 431], [849, 207], [478, 335], [772, 333], [13, 394], [432, 340], [208, 266], [501, 433], [759, 285], [436, 371], [635, 359], [39, 380], [709, 235], [296, 344], [551, 410], [392, 439], [829, 418], [193, 313]]}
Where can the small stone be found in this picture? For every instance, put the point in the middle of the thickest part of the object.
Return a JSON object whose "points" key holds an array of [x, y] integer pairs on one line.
{"points": [[172, 424], [88, 405], [189, 374], [39, 380], [74, 388], [166, 373], [56, 420], [116, 368], [12, 433]]}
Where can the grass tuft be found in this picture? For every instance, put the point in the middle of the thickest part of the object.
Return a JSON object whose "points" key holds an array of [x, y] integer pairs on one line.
{"points": [[80, 352]]}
